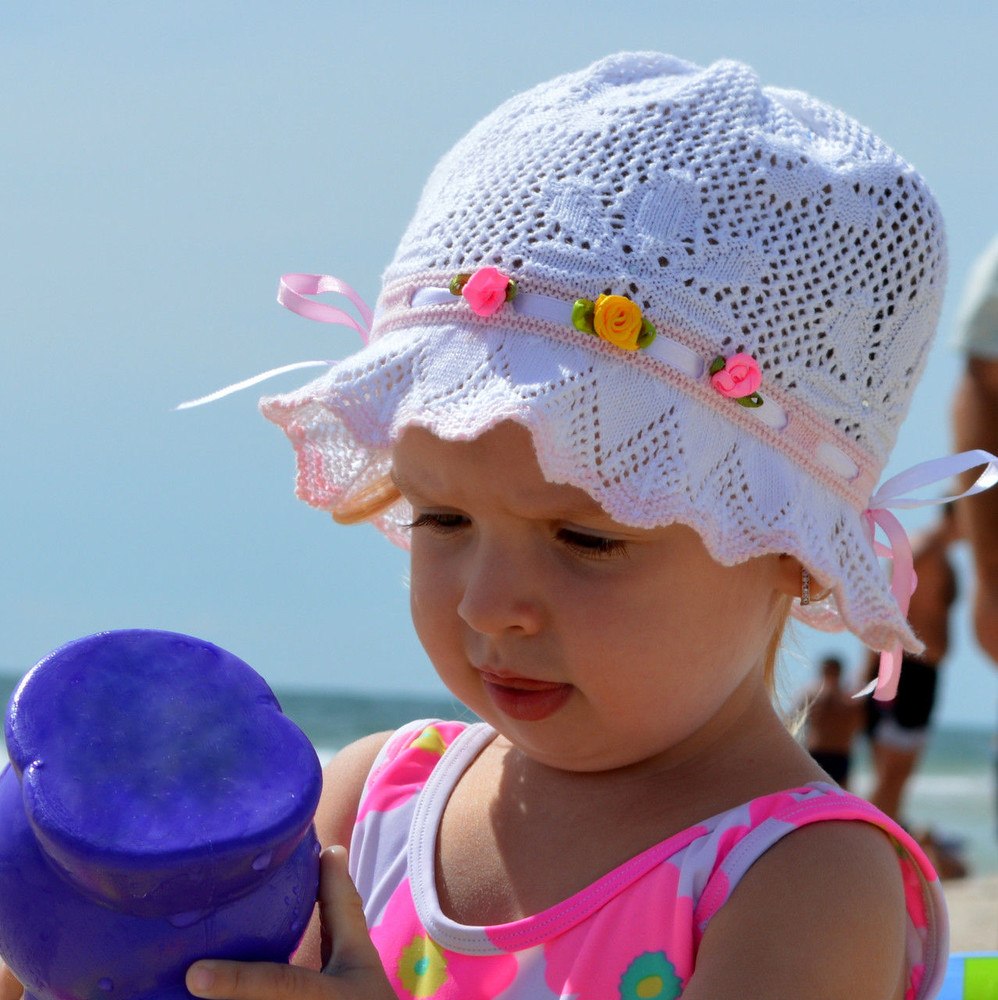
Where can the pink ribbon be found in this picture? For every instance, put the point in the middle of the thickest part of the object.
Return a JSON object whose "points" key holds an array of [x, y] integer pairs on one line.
{"points": [[292, 292], [898, 549]]}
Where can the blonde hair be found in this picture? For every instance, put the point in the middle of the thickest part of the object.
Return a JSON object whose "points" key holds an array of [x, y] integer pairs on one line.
{"points": [[367, 503], [781, 614]]}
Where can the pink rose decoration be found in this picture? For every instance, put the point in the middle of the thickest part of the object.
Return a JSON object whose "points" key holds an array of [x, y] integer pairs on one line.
{"points": [[740, 376], [485, 290]]}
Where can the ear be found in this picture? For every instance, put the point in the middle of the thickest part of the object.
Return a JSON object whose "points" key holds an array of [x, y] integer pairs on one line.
{"points": [[788, 576]]}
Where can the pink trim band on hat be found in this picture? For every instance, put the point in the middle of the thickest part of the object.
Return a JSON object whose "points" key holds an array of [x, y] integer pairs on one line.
{"points": [[828, 455], [558, 311]]}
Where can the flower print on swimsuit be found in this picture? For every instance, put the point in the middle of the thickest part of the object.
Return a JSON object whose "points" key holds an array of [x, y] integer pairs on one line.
{"points": [[737, 824], [422, 967], [418, 968], [430, 739], [617, 955], [914, 893], [650, 976], [431, 742]]}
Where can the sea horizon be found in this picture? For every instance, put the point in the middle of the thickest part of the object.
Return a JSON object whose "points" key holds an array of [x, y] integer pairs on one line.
{"points": [[952, 793]]}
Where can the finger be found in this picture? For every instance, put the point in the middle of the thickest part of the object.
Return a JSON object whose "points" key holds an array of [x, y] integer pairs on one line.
{"points": [[10, 985], [347, 945], [253, 981]]}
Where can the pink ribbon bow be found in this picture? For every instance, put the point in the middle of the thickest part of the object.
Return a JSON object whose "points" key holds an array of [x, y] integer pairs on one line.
{"points": [[292, 293], [898, 548], [293, 290]]}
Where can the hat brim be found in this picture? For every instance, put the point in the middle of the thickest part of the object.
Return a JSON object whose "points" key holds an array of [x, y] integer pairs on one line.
{"points": [[647, 452]]}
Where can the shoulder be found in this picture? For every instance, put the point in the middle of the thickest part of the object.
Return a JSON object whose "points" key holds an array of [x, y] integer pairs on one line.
{"points": [[832, 896], [343, 781], [406, 756]]}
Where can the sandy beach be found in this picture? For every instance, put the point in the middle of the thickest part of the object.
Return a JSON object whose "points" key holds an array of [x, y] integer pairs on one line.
{"points": [[973, 912]]}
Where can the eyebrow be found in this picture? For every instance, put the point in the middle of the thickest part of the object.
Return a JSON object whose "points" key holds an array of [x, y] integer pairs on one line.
{"points": [[406, 487], [583, 506], [401, 484]]}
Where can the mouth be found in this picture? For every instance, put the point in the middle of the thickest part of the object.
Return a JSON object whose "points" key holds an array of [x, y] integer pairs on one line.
{"points": [[524, 699]]}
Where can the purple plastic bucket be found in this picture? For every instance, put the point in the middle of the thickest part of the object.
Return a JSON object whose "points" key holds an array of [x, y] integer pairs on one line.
{"points": [[157, 809]]}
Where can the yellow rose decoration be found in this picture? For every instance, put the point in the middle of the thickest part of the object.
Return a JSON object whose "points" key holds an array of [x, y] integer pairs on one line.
{"points": [[614, 318], [618, 320]]}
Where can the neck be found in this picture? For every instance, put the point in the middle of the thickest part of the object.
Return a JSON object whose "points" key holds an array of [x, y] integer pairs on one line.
{"points": [[743, 752]]}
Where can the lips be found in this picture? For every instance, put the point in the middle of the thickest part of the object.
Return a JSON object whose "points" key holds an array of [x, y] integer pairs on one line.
{"points": [[523, 698]]}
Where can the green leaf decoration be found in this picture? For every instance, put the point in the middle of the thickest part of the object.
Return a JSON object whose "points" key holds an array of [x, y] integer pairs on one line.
{"points": [[648, 333], [583, 311]]}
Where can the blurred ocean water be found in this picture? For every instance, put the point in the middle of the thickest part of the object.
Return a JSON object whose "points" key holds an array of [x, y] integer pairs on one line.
{"points": [[953, 793]]}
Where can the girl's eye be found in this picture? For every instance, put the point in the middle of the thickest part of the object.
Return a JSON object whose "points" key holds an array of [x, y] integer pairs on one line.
{"points": [[592, 546], [441, 523]]}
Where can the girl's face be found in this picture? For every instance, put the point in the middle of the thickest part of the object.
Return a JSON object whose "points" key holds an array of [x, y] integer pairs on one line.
{"points": [[587, 643]]}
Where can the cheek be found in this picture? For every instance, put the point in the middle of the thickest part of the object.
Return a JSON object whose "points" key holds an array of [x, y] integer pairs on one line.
{"points": [[710, 621], [431, 603]]}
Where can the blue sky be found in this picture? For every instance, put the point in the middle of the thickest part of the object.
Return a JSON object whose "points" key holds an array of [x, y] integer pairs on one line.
{"points": [[164, 163]]}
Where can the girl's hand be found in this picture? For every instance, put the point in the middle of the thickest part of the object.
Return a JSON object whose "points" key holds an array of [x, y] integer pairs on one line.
{"points": [[351, 965]]}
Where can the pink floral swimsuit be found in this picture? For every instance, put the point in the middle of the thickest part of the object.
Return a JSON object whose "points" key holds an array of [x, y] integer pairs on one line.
{"points": [[633, 933]]}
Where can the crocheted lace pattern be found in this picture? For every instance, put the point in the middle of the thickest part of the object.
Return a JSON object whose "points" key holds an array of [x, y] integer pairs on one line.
{"points": [[740, 219]]}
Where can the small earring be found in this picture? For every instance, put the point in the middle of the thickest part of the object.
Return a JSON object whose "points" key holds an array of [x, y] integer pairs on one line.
{"points": [[805, 586]]}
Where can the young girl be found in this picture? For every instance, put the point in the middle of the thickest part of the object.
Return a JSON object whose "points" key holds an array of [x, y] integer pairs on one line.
{"points": [[634, 373], [635, 370]]}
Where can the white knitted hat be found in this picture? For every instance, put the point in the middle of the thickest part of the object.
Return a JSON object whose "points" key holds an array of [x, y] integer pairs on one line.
{"points": [[739, 220]]}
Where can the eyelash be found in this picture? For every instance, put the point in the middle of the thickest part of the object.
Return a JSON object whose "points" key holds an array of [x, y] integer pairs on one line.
{"points": [[442, 523], [586, 545], [592, 546]]}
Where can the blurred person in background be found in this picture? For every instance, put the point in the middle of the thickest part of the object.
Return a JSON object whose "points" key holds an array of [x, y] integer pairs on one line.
{"points": [[975, 425], [834, 717], [899, 730]]}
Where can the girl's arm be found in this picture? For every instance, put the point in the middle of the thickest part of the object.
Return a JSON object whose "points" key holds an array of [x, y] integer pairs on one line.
{"points": [[820, 916], [342, 785]]}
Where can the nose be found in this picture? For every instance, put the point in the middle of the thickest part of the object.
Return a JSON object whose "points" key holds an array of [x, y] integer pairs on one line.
{"points": [[501, 593]]}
